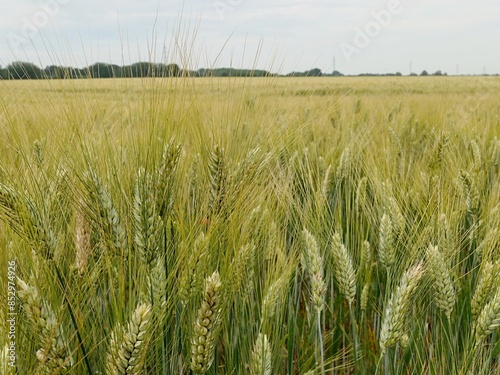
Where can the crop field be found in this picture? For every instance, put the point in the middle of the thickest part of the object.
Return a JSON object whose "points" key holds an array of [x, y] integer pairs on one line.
{"points": [[250, 226]]}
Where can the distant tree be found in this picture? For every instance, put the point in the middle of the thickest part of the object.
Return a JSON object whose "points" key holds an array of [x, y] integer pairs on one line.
{"points": [[3, 73], [439, 73], [336, 73], [314, 73], [24, 70], [140, 69], [413, 74], [60, 72], [174, 70], [424, 73], [103, 70]]}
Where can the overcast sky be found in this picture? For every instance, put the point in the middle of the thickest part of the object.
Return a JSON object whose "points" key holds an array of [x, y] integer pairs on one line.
{"points": [[354, 36]]}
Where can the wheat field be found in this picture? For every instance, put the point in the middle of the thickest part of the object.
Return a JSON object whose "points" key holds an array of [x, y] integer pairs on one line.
{"points": [[250, 225]]}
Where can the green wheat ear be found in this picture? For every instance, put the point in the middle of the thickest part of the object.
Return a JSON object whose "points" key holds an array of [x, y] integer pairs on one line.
{"points": [[218, 180], [128, 345], [343, 269], [53, 353], [444, 291], [484, 288], [313, 264], [489, 318], [387, 249], [396, 311], [206, 325], [261, 357]]}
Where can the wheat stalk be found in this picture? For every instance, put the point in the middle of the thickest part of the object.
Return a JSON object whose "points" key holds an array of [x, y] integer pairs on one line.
{"points": [[445, 236], [273, 296], [218, 179], [157, 285], [361, 195], [147, 222], [326, 185], [387, 250], [206, 326], [495, 152], [483, 289], [54, 354], [344, 166], [396, 311], [4, 360], [489, 318], [26, 220], [365, 294], [397, 218], [476, 154], [313, 264], [128, 346], [82, 240], [261, 356], [166, 176], [343, 269], [470, 192], [366, 257], [108, 213], [192, 275], [444, 291]]}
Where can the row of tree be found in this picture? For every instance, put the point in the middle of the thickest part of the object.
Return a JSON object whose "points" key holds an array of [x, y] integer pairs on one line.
{"points": [[25, 70]]}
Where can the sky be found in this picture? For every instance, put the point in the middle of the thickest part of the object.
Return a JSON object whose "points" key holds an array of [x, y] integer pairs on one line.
{"points": [[351, 36]]}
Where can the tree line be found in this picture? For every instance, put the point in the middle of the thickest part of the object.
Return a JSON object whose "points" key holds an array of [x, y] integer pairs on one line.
{"points": [[25, 70]]}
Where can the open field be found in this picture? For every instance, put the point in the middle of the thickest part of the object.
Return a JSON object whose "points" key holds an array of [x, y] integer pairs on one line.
{"points": [[251, 226]]}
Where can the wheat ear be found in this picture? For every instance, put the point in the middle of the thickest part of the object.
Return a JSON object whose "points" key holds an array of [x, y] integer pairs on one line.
{"points": [[397, 308], [108, 212], [489, 318], [343, 269], [261, 357], [82, 240], [53, 354], [313, 264], [483, 289], [128, 346], [166, 174], [206, 326], [147, 222], [218, 180], [444, 290], [387, 249]]}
